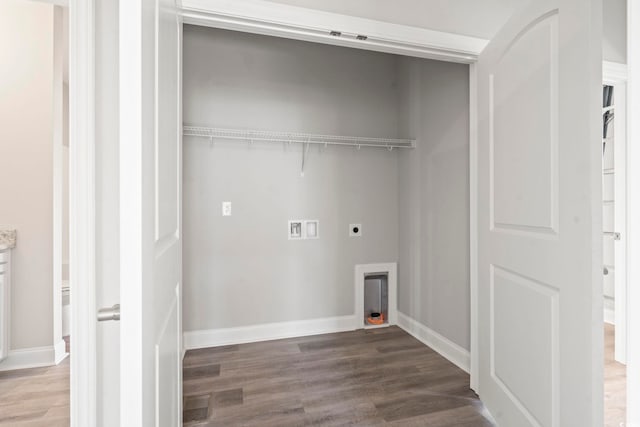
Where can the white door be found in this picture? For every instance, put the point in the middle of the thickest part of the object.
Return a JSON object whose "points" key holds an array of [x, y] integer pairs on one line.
{"points": [[150, 231], [540, 218]]}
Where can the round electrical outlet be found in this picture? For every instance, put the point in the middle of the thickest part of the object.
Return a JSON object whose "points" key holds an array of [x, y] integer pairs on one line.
{"points": [[355, 230]]}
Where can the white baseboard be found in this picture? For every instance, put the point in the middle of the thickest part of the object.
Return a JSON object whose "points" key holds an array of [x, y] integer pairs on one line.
{"points": [[267, 332], [60, 351], [34, 357], [448, 349], [609, 316]]}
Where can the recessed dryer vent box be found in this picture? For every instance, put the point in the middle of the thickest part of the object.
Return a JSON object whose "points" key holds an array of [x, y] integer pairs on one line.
{"points": [[312, 229]]}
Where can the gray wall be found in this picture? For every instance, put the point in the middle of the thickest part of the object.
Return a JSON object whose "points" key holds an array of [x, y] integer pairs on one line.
{"points": [[242, 270], [614, 40], [433, 265]]}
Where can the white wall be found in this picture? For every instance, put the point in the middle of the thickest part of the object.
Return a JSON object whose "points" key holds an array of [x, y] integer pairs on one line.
{"points": [[433, 276], [242, 270], [614, 37], [469, 17], [26, 156], [65, 184]]}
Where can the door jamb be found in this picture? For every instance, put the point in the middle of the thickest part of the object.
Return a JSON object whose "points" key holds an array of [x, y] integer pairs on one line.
{"points": [[474, 356], [633, 211], [82, 212], [615, 74]]}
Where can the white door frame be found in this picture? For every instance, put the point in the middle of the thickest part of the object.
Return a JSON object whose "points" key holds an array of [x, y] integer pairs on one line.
{"points": [[615, 75], [633, 211], [276, 20], [82, 211], [280, 20]]}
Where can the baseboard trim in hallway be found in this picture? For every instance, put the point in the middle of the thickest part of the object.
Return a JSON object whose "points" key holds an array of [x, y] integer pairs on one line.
{"points": [[445, 347], [60, 350], [34, 357]]}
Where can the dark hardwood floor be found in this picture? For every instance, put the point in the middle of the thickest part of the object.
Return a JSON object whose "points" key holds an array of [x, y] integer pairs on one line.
{"points": [[365, 378], [372, 378]]}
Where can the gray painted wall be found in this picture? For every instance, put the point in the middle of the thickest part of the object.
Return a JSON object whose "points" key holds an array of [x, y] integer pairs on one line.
{"points": [[433, 269], [242, 270], [614, 38]]}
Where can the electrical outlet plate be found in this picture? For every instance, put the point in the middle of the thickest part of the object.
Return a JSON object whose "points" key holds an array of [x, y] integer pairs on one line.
{"points": [[226, 208], [355, 230]]}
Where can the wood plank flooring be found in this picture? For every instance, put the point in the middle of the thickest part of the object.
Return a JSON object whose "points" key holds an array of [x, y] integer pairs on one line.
{"points": [[366, 378], [323, 380], [615, 383], [37, 397]]}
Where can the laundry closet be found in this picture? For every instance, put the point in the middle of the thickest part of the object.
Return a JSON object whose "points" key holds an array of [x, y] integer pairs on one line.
{"points": [[303, 160]]}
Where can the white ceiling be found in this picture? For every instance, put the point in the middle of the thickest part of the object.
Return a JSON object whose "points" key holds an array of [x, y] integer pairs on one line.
{"points": [[478, 18]]}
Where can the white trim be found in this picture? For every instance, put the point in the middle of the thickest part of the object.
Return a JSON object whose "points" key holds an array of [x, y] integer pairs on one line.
{"points": [[268, 18], [60, 352], [62, 3], [633, 211], [5, 302], [34, 357], [266, 332], [616, 75], [614, 72], [609, 316], [446, 348], [134, 199], [473, 228], [82, 212], [391, 268]]}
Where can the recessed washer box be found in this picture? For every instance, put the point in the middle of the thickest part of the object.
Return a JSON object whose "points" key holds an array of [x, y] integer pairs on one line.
{"points": [[355, 230], [296, 229]]}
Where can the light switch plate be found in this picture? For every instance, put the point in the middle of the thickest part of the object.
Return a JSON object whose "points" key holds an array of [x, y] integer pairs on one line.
{"points": [[226, 208], [355, 230]]}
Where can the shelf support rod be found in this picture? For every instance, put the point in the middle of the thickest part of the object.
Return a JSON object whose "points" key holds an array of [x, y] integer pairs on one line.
{"points": [[305, 148]]}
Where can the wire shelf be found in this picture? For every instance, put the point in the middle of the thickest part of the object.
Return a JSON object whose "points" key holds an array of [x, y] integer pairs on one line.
{"points": [[295, 137]]}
